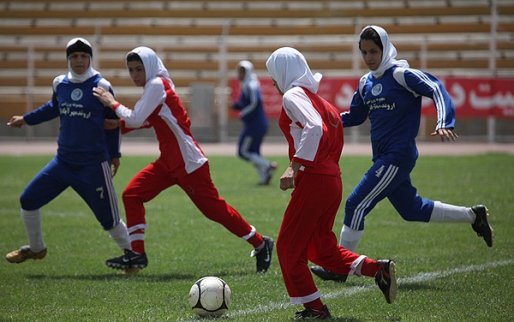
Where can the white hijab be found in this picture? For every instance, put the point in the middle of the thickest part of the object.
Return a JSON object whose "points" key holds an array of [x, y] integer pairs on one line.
{"points": [[90, 72], [288, 67], [249, 73], [154, 66], [388, 53]]}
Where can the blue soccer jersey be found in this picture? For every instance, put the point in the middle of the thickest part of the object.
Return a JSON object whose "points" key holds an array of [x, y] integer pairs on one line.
{"points": [[251, 107], [393, 105], [82, 138], [84, 150]]}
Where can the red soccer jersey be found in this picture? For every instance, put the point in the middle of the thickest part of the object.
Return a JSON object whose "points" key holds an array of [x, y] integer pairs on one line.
{"points": [[162, 109], [313, 130]]}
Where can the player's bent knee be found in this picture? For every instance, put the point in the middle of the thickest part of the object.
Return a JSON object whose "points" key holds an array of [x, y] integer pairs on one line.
{"points": [[29, 203]]}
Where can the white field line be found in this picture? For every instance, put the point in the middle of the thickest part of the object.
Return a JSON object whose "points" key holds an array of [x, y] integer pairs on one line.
{"points": [[346, 292]]}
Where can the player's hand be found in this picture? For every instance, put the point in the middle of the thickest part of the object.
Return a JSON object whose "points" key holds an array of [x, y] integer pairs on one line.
{"points": [[287, 178], [16, 121], [445, 134], [105, 97], [111, 124], [115, 164]]}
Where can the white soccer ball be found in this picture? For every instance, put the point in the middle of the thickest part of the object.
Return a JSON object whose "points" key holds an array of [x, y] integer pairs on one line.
{"points": [[210, 297]]}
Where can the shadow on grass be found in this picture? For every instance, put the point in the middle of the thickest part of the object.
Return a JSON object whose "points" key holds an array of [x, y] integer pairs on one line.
{"points": [[115, 276], [416, 286], [141, 276]]}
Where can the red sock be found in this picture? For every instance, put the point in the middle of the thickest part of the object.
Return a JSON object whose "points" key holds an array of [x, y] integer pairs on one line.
{"points": [[315, 305], [369, 267], [256, 240], [138, 246]]}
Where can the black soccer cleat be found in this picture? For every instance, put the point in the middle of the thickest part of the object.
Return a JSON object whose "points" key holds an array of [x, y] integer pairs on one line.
{"points": [[481, 225], [127, 261], [385, 278], [328, 275], [312, 314], [263, 255]]}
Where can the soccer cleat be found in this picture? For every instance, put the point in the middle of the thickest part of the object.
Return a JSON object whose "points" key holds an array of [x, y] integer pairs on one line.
{"points": [[328, 275], [24, 253], [269, 173], [481, 225], [385, 278], [263, 255], [131, 262], [312, 314]]}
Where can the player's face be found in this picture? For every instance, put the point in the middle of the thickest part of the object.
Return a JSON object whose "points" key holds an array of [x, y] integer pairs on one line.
{"points": [[137, 72], [371, 53], [79, 62], [278, 88], [241, 73]]}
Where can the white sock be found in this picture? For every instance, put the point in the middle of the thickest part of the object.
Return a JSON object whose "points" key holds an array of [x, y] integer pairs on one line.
{"points": [[120, 235], [32, 220], [449, 213], [350, 238], [356, 267]]}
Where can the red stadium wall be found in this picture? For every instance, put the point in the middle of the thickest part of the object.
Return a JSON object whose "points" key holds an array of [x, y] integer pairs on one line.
{"points": [[473, 97]]}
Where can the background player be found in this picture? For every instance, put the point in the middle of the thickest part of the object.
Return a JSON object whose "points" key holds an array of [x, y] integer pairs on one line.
{"points": [[182, 162], [314, 133], [390, 96], [84, 155], [255, 122]]}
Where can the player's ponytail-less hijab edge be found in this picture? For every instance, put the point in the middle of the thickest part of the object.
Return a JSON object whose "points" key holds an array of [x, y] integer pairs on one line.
{"points": [[250, 75], [154, 67], [388, 52], [80, 45], [288, 68]]}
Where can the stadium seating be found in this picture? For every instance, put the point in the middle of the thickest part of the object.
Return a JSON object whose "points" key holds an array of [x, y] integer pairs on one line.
{"points": [[195, 37]]}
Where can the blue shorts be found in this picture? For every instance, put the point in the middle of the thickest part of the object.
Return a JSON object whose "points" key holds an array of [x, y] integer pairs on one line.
{"points": [[93, 183], [386, 179]]}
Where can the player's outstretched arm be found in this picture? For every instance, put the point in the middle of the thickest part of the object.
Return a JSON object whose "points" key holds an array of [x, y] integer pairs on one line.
{"points": [[16, 121]]}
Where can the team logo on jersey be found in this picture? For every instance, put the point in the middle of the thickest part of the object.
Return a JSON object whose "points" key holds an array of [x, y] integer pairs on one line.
{"points": [[376, 90], [77, 94], [378, 173]]}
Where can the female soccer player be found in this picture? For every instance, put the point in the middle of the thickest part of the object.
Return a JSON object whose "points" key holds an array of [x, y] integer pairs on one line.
{"points": [[255, 123], [181, 162], [390, 96], [84, 157], [314, 133]]}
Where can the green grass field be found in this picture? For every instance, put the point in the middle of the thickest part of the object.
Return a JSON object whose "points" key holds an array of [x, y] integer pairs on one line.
{"points": [[446, 273]]}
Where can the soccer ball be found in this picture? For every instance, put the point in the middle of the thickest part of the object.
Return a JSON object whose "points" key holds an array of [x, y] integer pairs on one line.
{"points": [[210, 297]]}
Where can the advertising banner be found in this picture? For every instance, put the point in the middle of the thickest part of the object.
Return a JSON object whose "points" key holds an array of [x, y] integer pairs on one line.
{"points": [[473, 97]]}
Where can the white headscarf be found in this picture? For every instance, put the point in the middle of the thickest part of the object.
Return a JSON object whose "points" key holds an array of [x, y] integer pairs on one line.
{"points": [[288, 67], [249, 73], [388, 53], [152, 63], [90, 72]]}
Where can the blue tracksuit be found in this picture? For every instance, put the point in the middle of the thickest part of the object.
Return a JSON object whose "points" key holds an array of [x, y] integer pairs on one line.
{"points": [[393, 105], [255, 123], [84, 150]]}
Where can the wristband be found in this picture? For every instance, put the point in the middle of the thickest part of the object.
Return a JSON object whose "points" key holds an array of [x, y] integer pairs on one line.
{"points": [[116, 105]]}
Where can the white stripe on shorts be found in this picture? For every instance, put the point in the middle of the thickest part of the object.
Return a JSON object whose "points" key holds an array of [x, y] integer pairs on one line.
{"points": [[358, 214]]}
